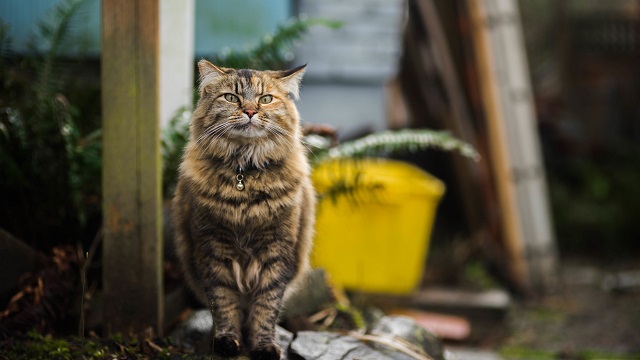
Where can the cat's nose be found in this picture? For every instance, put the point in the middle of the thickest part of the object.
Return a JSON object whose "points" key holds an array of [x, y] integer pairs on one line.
{"points": [[250, 112]]}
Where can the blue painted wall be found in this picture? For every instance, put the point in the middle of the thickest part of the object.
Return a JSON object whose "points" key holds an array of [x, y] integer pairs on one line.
{"points": [[219, 24], [236, 24], [23, 17]]}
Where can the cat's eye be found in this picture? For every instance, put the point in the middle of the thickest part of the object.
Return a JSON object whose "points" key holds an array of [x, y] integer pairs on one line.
{"points": [[231, 98], [265, 99]]}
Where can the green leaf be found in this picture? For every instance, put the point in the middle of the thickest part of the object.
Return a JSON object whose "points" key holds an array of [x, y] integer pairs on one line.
{"points": [[273, 49], [394, 142]]}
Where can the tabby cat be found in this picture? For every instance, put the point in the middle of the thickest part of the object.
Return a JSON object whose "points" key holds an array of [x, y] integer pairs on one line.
{"points": [[243, 211]]}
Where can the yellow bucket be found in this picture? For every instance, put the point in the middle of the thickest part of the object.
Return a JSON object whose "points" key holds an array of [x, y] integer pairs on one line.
{"points": [[376, 237]]}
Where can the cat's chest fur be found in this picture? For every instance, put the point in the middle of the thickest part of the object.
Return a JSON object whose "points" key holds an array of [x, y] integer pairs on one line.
{"points": [[269, 194]]}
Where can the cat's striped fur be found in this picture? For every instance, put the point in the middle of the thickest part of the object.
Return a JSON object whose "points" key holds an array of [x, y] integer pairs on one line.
{"points": [[244, 251]]}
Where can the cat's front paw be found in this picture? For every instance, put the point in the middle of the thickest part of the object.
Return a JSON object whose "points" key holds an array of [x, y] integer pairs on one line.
{"points": [[265, 352], [226, 345]]}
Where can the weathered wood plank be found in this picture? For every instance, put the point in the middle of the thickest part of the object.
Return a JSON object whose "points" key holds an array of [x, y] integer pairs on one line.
{"points": [[132, 246], [499, 147], [518, 170]]}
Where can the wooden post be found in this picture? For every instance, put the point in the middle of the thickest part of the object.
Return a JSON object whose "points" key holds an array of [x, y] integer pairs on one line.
{"points": [[499, 151], [518, 167], [132, 248]]}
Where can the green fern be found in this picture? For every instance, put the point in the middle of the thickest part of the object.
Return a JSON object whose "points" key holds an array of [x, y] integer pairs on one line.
{"points": [[387, 143], [354, 189], [272, 51], [174, 139], [53, 31], [381, 144], [49, 163]]}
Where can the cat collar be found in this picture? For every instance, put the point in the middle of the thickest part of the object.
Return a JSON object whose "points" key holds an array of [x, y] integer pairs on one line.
{"points": [[240, 174]]}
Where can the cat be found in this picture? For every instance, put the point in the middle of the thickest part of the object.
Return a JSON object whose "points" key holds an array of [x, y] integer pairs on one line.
{"points": [[244, 207]]}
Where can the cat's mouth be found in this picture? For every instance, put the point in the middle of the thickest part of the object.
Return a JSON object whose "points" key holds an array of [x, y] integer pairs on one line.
{"points": [[249, 129]]}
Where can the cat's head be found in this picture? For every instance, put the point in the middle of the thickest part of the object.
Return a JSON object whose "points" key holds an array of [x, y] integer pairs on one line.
{"points": [[246, 106]]}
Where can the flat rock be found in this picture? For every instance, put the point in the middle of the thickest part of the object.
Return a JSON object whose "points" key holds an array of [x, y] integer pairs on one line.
{"points": [[311, 345], [471, 354], [393, 338], [409, 331], [194, 333]]}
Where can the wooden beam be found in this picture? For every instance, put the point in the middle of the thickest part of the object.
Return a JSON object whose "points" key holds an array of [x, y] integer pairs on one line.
{"points": [[132, 248], [518, 167]]}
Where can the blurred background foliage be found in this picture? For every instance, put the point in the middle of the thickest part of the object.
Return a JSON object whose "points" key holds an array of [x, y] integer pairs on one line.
{"points": [[583, 62], [585, 90], [49, 138]]}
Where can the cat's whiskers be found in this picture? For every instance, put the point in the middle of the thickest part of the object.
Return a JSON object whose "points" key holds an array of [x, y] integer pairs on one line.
{"points": [[309, 150], [278, 130], [211, 130], [218, 136], [286, 136], [274, 129], [280, 137], [212, 134]]}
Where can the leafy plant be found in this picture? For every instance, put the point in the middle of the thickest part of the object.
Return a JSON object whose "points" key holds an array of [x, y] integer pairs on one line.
{"points": [[352, 188], [273, 51], [49, 165], [595, 204], [174, 139], [388, 143], [381, 144]]}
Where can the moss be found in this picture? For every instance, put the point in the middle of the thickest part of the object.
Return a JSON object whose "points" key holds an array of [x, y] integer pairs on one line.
{"points": [[524, 353], [475, 273], [602, 355], [516, 353], [39, 347]]}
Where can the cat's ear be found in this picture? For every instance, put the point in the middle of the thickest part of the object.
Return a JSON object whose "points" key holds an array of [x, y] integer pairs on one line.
{"points": [[208, 69], [209, 72], [291, 80]]}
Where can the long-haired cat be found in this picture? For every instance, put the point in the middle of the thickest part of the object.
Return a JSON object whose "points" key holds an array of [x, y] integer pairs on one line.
{"points": [[243, 211]]}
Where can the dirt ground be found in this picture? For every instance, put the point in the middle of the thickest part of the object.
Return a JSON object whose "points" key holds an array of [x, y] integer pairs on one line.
{"points": [[594, 313]]}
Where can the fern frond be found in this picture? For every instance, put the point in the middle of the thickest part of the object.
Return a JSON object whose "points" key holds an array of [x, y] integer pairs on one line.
{"points": [[393, 142], [5, 40], [53, 31], [272, 50], [174, 139], [352, 187]]}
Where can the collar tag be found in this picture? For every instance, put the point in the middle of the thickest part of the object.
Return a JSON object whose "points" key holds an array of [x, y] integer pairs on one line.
{"points": [[240, 176], [240, 184]]}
